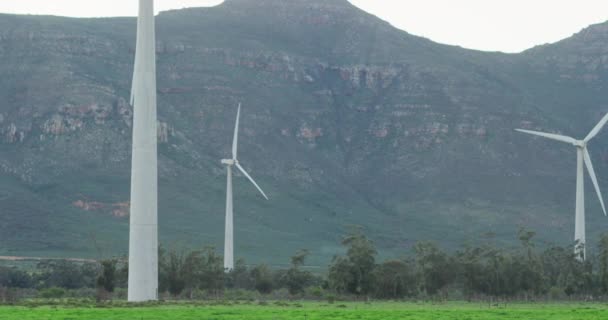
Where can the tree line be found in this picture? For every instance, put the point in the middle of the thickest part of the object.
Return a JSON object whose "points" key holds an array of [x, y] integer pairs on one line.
{"points": [[473, 272]]}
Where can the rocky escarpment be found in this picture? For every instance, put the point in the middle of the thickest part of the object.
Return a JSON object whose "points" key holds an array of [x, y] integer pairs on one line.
{"points": [[345, 120], [583, 57]]}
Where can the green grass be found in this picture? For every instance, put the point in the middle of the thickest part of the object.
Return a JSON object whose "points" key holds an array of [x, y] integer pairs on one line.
{"points": [[312, 311]]}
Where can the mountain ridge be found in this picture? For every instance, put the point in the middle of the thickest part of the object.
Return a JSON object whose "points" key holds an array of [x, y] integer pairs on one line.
{"points": [[343, 124]]}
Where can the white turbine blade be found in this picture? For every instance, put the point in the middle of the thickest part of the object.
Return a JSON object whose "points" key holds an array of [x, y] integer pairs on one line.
{"points": [[134, 81], [549, 136], [133, 86], [139, 49], [136, 76], [597, 128], [235, 139], [136, 65], [251, 179], [593, 178]]}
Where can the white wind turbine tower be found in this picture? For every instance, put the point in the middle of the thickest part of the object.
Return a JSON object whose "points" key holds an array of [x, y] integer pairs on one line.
{"points": [[143, 229], [229, 233], [583, 160]]}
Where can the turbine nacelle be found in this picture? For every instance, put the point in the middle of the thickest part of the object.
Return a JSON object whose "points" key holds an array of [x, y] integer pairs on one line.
{"points": [[580, 144], [229, 162]]}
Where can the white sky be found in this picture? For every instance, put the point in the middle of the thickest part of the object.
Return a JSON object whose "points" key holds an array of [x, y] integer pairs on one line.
{"points": [[492, 25]]}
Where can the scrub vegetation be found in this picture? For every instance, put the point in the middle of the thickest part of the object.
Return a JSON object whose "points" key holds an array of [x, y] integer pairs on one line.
{"points": [[483, 273]]}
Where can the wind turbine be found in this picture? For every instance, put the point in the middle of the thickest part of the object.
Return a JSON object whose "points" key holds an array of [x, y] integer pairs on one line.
{"points": [[143, 224], [229, 232], [582, 160]]}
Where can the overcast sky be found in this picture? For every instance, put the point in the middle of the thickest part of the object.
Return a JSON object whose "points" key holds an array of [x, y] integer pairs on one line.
{"points": [[491, 25]]}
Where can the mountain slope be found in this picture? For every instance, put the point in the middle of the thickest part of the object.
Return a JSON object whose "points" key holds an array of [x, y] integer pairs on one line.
{"points": [[346, 120]]}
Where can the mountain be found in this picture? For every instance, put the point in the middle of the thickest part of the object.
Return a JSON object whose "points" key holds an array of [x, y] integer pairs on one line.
{"points": [[346, 121]]}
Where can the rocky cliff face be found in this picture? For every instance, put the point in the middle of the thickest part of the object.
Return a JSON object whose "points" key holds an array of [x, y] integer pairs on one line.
{"points": [[346, 120], [585, 54]]}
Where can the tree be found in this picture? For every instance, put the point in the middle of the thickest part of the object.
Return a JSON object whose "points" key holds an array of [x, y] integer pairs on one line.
{"points": [[531, 273], [435, 267], [15, 278], [107, 278], [67, 274], [262, 279], [394, 279], [199, 269], [362, 255], [175, 275], [213, 273], [555, 261], [354, 273], [340, 276], [192, 270], [239, 277], [122, 273], [525, 237], [603, 263], [296, 279], [471, 270]]}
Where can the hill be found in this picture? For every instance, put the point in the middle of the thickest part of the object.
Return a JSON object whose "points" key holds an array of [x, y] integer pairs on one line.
{"points": [[346, 121]]}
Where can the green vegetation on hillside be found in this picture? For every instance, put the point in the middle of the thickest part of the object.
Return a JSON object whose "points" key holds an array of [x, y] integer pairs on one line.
{"points": [[346, 120]]}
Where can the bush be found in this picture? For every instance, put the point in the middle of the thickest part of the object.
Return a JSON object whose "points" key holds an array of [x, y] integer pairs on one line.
{"points": [[262, 277], [316, 292], [120, 293], [66, 274], [106, 280], [3, 294], [84, 293], [240, 294], [279, 294], [14, 278], [9, 295], [556, 293], [52, 293]]}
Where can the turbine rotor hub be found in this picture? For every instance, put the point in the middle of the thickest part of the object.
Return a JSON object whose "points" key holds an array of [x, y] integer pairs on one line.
{"points": [[229, 162]]}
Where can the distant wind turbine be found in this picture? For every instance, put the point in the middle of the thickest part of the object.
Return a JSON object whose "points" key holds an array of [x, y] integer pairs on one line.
{"points": [[583, 159], [229, 233]]}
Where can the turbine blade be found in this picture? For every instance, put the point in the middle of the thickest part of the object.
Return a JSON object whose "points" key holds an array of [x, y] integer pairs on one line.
{"points": [[134, 80], [138, 52], [587, 158], [597, 128], [551, 136], [133, 86], [235, 139], [251, 179]]}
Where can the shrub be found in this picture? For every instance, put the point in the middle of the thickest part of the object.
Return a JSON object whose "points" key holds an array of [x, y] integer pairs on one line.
{"points": [[556, 293], [52, 293], [316, 292]]}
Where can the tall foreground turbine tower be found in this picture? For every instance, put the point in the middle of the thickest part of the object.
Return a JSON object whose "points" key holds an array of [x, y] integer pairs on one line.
{"points": [[143, 234]]}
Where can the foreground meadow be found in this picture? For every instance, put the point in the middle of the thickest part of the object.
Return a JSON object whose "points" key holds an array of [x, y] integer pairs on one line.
{"points": [[308, 311]]}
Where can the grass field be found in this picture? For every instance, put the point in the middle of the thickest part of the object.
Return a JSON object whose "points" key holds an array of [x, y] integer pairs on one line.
{"points": [[310, 311]]}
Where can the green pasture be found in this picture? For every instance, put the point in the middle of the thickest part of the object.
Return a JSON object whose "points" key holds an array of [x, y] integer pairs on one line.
{"points": [[307, 311]]}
